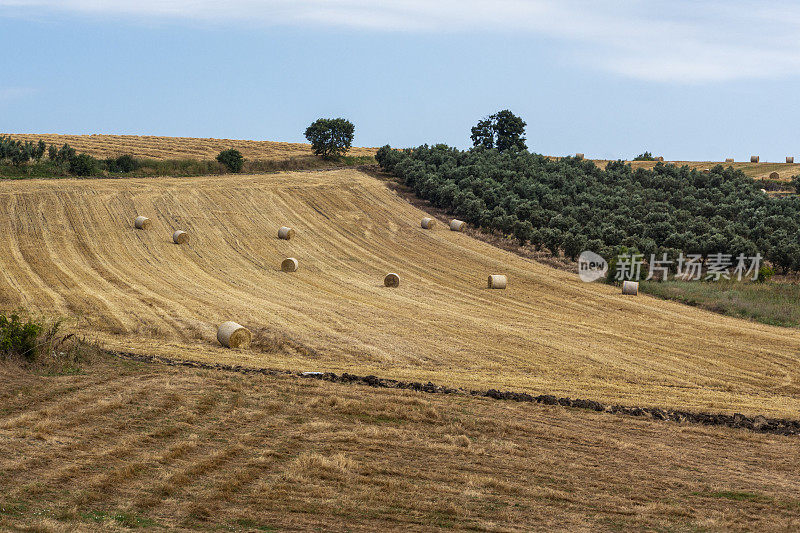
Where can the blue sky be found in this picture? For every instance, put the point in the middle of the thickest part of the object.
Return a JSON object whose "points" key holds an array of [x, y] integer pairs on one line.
{"points": [[684, 79]]}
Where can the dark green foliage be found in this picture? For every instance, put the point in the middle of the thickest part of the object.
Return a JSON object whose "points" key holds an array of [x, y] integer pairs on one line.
{"points": [[647, 156], [571, 203], [83, 165], [503, 130], [764, 274], [18, 339], [796, 184], [330, 137], [123, 163], [232, 159]]}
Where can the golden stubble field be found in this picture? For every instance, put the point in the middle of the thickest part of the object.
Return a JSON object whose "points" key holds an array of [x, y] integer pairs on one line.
{"points": [[155, 147], [70, 249], [126, 446]]}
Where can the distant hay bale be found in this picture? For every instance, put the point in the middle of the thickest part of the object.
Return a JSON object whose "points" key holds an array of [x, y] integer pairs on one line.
{"points": [[391, 280], [754, 158], [497, 281], [578, 156], [427, 223], [630, 288], [764, 191], [729, 160], [457, 225], [142, 223], [706, 170], [661, 158], [789, 159], [180, 237], [774, 175], [285, 233], [233, 335], [289, 264]]}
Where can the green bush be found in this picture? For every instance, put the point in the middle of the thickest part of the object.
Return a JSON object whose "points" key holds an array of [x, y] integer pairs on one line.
{"points": [[647, 156], [18, 339], [125, 163], [83, 165], [765, 273], [232, 159], [330, 137]]}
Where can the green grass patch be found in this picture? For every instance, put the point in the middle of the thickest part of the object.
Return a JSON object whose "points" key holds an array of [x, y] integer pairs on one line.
{"points": [[122, 518], [774, 303]]}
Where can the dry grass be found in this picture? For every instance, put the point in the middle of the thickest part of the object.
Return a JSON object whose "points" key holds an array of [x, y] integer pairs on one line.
{"points": [[70, 250], [128, 445], [754, 170], [161, 148]]}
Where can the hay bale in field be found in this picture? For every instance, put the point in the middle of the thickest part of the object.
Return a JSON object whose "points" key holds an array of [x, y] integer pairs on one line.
{"points": [[774, 175], [497, 281], [661, 158], [180, 237], [706, 170], [285, 233], [578, 156], [764, 191], [289, 264], [427, 223], [729, 160], [457, 225], [142, 223], [754, 159], [233, 335], [391, 280], [630, 288], [789, 159]]}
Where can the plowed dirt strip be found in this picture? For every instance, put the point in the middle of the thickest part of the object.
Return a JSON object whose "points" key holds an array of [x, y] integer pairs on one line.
{"points": [[71, 250]]}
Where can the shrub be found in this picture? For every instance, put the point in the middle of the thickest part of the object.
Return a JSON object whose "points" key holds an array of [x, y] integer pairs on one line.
{"points": [[18, 339], [83, 165], [647, 156], [125, 163], [764, 273], [330, 137], [232, 159]]}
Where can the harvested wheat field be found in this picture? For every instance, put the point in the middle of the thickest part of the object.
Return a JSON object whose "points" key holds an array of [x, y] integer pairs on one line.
{"points": [[754, 170], [131, 445], [70, 249], [153, 147]]}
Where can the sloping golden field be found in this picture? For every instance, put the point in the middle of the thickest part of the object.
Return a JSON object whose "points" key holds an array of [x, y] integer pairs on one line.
{"points": [[69, 248], [153, 147]]}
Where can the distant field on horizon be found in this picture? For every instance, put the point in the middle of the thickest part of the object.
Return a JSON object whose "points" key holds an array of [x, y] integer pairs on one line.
{"points": [[160, 148]]}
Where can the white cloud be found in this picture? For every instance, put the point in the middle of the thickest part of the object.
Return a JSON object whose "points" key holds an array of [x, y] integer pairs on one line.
{"points": [[683, 41]]}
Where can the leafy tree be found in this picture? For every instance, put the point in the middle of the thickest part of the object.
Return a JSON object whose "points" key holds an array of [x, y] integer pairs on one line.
{"points": [[39, 151], [503, 130], [330, 137], [232, 159]]}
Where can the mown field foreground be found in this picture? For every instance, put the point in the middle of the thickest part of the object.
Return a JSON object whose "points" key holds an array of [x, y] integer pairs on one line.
{"points": [[71, 250], [131, 445]]}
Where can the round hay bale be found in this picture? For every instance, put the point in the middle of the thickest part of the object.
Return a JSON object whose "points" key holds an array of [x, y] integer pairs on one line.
{"points": [[774, 175], [706, 170], [661, 158], [789, 159], [630, 288], [233, 335], [285, 233], [180, 237], [764, 191], [578, 156], [754, 158], [729, 160], [457, 225], [427, 223], [497, 281], [391, 280], [142, 223], [289, 264]]}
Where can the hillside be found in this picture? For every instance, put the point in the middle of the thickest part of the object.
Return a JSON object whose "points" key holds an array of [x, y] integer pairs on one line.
{"points": [[161, 148], [71, 250]]}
